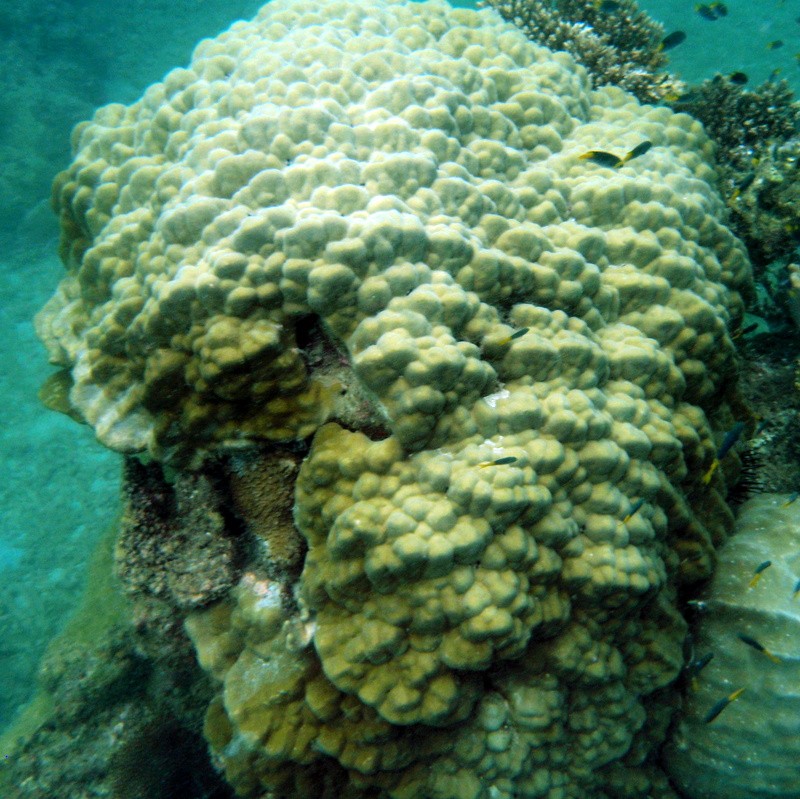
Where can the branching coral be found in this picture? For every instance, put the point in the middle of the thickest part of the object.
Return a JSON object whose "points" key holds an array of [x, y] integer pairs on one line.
{"points": [[758, 154], [621, 48]]}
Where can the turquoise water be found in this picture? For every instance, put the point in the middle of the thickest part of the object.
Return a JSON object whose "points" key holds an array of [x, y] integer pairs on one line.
{"points": [[58, 487], [62, 59]]}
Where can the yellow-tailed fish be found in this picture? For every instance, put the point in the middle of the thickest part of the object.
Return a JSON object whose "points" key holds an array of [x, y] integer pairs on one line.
{"points": [[731, 437], [498, 462], [718, 707], [796, 590], [636, 505], [694, 667], [672, 40], [612, 161], [792, 498], [602, 158], [758, 646], [760, 569], [639, 149], [516, 334]]}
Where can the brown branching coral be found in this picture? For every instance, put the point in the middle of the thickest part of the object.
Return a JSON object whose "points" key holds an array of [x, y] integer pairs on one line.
{"points": [[621, 48], [758, 154], [742, 122]]}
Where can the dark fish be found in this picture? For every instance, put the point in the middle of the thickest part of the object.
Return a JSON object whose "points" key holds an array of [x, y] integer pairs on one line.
{"points": [[602, 158], [718, 707], [796, 590], [608, 6], [706, 12], [760, 569], [751, 328], [672, 40], [639, 149], [516, 334], [751, 642], [636, 505], [792, 498], [720, 9], [747, 182], [694, 667], [612, 161], [738, 78], [774, 44], [731, 437], [498, 462]]}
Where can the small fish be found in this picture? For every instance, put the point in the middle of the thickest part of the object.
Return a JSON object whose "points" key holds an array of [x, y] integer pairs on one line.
{"points": [[695, 666], [612, 161], [607, 6], [602, 158], [706, 12], [636, 505], [796, 590], [743, 331], [760, 569], [672, 40], [747, 181], [738, 78], [718, 707], [746, 639], [498, 462], [731, 437], [773, 76], [775, 44], [639, 149], [698, 604], [792, 498], [516, 334], [720, 9]]}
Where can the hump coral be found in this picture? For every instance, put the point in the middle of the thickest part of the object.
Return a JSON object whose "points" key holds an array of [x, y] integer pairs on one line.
{"points": [[369, 225]]}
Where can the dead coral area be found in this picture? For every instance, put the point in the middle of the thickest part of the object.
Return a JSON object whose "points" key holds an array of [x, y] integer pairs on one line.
{"points": [[129, 704], [173, 541], [122, 727], [769, 381], [619, 47], [186, 536]]}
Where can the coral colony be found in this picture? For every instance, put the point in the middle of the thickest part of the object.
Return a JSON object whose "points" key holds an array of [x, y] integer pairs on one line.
{"points": [[418, 347]]}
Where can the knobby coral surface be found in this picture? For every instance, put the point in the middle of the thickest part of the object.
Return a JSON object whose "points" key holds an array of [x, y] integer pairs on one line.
{"points": [[372, 225]]}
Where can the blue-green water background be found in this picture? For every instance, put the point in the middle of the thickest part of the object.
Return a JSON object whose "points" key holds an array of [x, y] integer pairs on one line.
{"points": [[61, 59]]}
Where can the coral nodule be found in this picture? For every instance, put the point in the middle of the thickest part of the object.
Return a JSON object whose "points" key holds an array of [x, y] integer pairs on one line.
{"points": [[367, 235]]}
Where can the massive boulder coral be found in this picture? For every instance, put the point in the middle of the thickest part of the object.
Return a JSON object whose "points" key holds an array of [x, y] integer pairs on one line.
{"points": [[373, 225], [752, 747]]}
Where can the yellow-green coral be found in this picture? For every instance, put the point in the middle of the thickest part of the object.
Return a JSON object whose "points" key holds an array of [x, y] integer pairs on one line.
{"points": [[536, 340]]}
